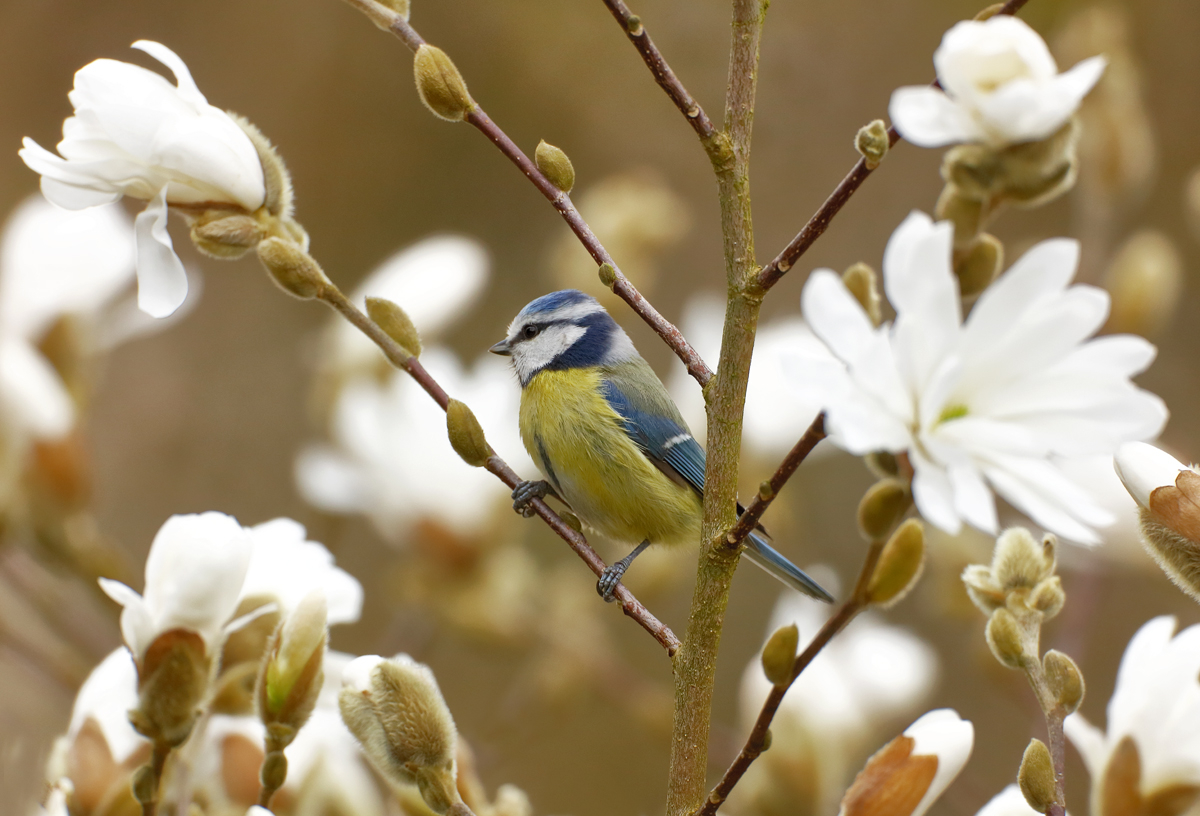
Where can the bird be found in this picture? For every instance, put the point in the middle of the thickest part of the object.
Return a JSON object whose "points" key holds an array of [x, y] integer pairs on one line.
{"points": [[609, 440]]}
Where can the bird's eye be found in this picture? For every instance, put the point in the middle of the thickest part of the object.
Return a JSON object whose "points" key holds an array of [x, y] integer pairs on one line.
{"points": [[530, 332]]}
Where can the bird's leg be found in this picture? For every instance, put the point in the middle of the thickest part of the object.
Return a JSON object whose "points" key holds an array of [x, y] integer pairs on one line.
{"points": [[611, 576], [526, 492]]}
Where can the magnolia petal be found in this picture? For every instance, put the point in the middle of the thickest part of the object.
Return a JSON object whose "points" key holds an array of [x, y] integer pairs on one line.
{"points": [[973, 500], [31, 392], [941, 733], [933, 494], [835, 316], [1117, 355], [137, 624], [1008, 802], [162, 283], [1143, 468], [1026, 488], [183, 77], [327, 479], [928, 118]]}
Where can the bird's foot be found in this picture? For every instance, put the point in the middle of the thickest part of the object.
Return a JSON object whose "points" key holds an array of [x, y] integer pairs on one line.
{"points": [[609, 579], [526, 492]]}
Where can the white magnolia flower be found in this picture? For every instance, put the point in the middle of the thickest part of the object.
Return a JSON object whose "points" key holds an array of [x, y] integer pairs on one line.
{"points": [[285, 567], [391, 458], [135, 134], [1008, 802], [839, 707], [776, 412], [995, 401], [886, 785], [106, 697], [1001, 87], [1144, 468], [194, 575], [435, 281], [1153, 719]]}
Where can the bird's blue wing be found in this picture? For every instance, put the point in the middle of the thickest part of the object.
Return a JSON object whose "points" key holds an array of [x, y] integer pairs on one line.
{"points": [[664, 440]]}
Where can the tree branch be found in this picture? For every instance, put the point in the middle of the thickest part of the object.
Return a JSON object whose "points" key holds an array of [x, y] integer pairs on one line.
{"points": [[816, 226], [399, 358], [770, 488], [389, 20]]}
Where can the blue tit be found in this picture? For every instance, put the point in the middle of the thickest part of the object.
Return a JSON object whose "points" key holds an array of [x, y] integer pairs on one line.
{"points": [[608, 438]]}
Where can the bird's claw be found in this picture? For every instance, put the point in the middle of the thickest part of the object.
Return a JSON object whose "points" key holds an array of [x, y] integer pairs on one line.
{"points": [[526, 492], [609, 580]]}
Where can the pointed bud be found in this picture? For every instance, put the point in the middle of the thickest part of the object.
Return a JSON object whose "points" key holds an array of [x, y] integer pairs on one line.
{"points": [[863, 283], [882, 463], [882, 506], [1005, 640], [395, 323], [144, 785], [273, 771], [440, 85], [608, 274], [292, 670], [872, 142], [964, 212], [555, 166], [1036, 776], [1048, 597], [1177, 555], [1144, 468], [1019, 561], [466, 434], [1144, 279], [278, 201], [979, 264], [983, 591], [221, 234], [173, 680], [1065, 680], [292, 269], [779, 654], [396, 711], [899, 565]]}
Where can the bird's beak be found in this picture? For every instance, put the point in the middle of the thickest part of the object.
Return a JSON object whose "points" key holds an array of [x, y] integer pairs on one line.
{"points": [[503, 348]]}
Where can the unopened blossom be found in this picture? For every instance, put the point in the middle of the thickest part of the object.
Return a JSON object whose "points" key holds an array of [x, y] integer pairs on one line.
{"points": [[1144, 468], [776, 413], [435, 281], [906, 776], [285, 567], [1151, 742], [992, 403], [105, 699], [999, 86], [194, 575], [391, 459], [135, 134], [837, 710]]}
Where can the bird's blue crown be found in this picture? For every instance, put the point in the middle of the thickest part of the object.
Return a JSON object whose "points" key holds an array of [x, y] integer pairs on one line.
{"points": [[573, 331]]}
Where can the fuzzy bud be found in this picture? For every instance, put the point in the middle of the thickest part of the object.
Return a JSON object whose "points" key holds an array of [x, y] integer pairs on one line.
{"points": [[1027, 174], [872, 142], [555, 166], [882, 464], [466, 434], [964, 212], [292, 269], [144, 785], [292, 670], [1005, 640], [1036, 776], [977, 266], [608, 274], [1019, 561], [882, 506], [395, 323], [899, 565], [1065, 680], [779, 654], [273, 772], [982, 590], [173, 680], [396, 711], [1144, 279], [440, 85], [863, 283], [277, 179], [1048, 597], [221, 234]]}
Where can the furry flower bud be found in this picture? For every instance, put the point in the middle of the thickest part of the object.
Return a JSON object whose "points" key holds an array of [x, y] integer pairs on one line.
{"points": [[863, 283], [396, 711], [884, 503], [293, 270], [979, 264], [440, 84], [872, 142], [1036, 776], [1065, 680], [779, 654], [395, 323], [222, 234], [608, 274], [291, 674], [555, 166], [1019, 561], [899, 565], [466, 434], [1005, 640]]}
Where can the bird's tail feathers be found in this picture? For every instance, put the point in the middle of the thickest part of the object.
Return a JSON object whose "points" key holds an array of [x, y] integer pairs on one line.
{"points": [[763, 555]]}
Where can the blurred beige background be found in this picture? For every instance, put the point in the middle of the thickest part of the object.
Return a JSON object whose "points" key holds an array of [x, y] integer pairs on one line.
{"points": [[209, 414]]}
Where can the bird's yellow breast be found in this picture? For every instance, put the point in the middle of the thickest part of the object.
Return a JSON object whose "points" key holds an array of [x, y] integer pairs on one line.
{"points": [[578, 442]]}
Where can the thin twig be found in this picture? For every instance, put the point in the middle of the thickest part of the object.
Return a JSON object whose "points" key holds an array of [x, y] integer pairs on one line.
{"points": [[663, 75], [770, 489], [398, 357], [756, 742], [390, 21], [816, 226]]}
